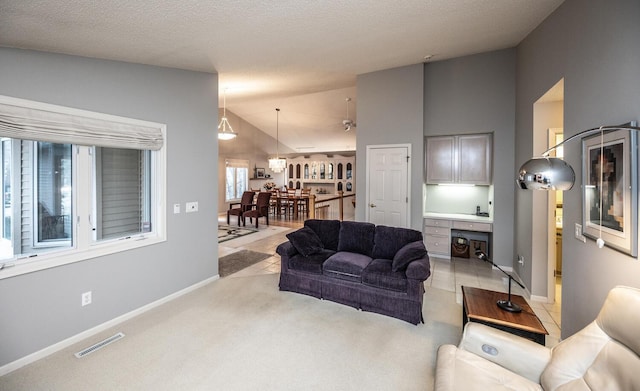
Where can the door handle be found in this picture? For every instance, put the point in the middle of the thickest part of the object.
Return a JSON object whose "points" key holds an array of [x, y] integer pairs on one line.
{"points": [[372, 205]]}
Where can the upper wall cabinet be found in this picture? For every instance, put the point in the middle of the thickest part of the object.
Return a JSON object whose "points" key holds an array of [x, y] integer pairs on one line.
{"points": [[459, 159], [322, 171]]}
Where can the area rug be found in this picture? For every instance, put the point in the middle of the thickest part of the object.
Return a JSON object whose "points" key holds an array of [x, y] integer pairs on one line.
{"points": [[226, 232], [237, 261]]}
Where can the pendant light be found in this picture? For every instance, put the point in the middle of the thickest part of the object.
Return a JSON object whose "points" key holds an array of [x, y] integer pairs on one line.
{"points": [[276, 164], [223, 133]]}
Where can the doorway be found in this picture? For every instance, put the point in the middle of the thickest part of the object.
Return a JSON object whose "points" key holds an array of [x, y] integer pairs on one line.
{"points": [[548, 114], [387, 199]]}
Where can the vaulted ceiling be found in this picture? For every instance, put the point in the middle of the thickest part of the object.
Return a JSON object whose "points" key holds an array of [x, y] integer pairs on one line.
{"points": [[300, 56]]}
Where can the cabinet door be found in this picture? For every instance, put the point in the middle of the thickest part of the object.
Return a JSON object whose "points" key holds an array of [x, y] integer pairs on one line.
{"points": [[474, 159], [440, 159]]}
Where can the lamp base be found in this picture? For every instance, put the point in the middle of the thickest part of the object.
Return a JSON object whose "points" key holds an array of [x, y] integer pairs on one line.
{"points": [[509, 306]]}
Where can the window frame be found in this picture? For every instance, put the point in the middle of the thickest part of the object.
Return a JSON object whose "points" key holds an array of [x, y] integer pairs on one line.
{"points": [[83, 248], [35, 188], [236, 164]]}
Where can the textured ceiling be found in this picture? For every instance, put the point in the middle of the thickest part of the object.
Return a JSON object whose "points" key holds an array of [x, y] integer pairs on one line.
{"points": [[302, 56]]}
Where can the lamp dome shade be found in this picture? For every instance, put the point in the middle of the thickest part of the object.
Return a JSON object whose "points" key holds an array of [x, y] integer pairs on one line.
{"points": [[546, 173]]}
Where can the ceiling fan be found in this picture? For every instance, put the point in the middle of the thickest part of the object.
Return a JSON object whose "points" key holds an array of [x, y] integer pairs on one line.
{"points": [[348, 123]]}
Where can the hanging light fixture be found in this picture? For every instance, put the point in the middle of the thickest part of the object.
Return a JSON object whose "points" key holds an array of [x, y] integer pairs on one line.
{"points": [[276, 164], [223, 133]]}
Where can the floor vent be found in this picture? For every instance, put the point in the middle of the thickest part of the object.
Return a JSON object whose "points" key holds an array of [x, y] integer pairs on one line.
{"points": [[99, 345]]}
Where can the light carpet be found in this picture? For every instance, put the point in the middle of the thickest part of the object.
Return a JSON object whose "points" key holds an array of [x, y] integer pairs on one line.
{"points": [[244, 334]]}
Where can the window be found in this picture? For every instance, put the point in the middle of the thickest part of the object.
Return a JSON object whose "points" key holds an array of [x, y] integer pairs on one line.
{"points": [[69, 201], [237, 179], [122, 200], [52, 192]]}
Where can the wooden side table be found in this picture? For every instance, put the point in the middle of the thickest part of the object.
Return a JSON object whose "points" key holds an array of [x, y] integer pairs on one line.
{"points": [[479, 305]]}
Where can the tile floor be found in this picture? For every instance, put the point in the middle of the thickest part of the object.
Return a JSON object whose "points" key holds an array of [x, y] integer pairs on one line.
{"points": [[449, 275]]}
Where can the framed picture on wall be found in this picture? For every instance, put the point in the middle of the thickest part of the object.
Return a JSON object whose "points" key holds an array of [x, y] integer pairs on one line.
{"points": [[610, 189], [259, 172]]}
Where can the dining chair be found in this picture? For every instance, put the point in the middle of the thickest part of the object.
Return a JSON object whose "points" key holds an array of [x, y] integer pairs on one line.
{"points": [[259, 209], [238, 208], [303, 202]]}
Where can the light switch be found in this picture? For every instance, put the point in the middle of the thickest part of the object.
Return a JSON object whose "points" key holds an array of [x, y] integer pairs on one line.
{"points": [[191, 207], [176, 208]]}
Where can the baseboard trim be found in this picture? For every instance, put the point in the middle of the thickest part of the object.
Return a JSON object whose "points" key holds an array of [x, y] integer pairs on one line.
{"points": [[539, 298], [33, 357]]}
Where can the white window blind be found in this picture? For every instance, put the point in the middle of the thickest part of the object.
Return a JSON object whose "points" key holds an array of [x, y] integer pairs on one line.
{"points": [[29, 120], [122, 197], [237, 163]]}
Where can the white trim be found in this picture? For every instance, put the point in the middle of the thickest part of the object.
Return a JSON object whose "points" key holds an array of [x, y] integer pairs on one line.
{"points": [[49, 350], [538, 298]]}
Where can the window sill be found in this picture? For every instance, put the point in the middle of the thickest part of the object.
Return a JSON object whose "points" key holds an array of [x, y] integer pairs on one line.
{"points": [[17, 267]]}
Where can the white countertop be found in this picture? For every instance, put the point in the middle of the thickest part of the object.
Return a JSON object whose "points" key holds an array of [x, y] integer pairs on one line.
{"points": [[459, 217]]}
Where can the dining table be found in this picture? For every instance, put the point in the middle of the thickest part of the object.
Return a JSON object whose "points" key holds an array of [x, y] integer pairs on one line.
{"points": [[292, 201]]}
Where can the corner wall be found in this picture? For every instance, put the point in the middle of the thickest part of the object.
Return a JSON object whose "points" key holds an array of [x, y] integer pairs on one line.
{"points": [[593, 45], [476, 94], [390, 106], [43, 308]]}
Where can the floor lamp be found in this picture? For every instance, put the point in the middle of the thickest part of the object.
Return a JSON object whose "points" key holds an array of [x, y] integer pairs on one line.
{"points": [[552, 173]]}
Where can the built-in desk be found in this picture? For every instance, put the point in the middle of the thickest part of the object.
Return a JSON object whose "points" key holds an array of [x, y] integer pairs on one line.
{"points": [[439, 228]]}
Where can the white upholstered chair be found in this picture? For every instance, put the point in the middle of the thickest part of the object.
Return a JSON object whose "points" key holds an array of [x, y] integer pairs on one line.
{"points": [[605, 355]]}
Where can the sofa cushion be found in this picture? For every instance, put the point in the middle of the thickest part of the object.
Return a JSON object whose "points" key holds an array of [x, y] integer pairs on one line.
{"points": [[380, 275], [312, 263], [388, 240], [305, 241], [346, 265], [356, 237], [409, 252], [327, 230]]}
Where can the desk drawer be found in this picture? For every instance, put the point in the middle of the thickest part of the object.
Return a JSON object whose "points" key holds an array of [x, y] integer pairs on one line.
{"points": [[428, 230], [438, 244], [437, 223], [470, 226]]}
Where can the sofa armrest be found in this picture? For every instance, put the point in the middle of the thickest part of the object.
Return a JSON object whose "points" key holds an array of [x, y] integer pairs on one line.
{"points": [[286, 249], [419, 269], [517, 354]]}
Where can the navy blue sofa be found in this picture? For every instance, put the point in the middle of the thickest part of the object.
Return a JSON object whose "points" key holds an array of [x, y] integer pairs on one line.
{"points": [[373, 268]]}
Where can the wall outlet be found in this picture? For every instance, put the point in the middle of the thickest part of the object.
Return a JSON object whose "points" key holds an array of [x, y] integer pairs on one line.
{"points": [[191, 206], [86, 298]]}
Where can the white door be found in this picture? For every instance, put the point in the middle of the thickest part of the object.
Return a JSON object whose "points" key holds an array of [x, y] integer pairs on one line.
{"points": [[387, 179]]}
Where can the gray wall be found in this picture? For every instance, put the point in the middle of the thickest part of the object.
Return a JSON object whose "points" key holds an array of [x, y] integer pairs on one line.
{"points": [[390, 105], [594, 46], [476, 94], [42, 308]]}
